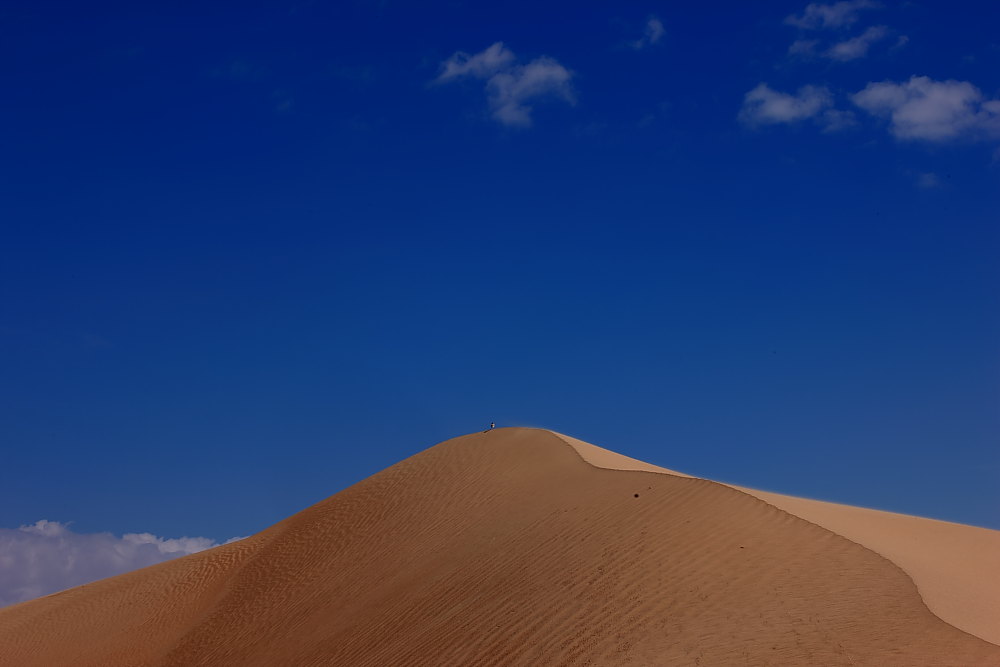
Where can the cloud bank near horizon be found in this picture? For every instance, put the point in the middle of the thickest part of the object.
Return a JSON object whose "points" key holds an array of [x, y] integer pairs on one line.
{"points": [[47, 557]]}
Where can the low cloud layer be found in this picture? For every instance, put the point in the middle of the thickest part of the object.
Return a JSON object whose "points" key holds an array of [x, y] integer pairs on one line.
{"points": [[510, 85], [47, 557]]}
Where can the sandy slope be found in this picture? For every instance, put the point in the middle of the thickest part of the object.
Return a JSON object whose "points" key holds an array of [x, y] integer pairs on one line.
{"points": [[507, 548], [956, 568]]}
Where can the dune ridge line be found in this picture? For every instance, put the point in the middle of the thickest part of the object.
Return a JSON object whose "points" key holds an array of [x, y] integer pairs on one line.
{"points": [[506, 547], [955, 567]]}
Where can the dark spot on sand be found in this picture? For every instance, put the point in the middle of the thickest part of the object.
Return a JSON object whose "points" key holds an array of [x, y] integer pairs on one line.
{"points": [[637, 495]]}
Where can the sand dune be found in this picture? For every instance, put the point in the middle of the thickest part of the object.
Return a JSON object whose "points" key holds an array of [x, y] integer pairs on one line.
{"points": [[506, 548], [956, 568]]}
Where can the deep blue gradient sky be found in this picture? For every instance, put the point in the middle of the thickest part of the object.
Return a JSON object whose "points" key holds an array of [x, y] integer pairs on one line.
{"points": [[254, 253]]}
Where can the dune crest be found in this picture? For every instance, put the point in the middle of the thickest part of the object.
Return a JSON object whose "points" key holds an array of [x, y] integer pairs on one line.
{"points": [[505, 548], [955, 567]]}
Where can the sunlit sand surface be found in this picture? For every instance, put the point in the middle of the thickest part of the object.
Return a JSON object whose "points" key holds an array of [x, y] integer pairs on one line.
{"points": [[956, 568], [520, 546]]}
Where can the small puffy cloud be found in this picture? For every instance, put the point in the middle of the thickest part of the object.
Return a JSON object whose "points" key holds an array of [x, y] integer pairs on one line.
{"points": [[47, 557], [482, 65], [765, 106], [857, 47], [929, 110], [818, 16], [651, 34], [509, 90], [510, 86]]}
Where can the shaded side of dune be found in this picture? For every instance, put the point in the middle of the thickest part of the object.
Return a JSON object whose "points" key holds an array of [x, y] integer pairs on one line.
{"points": [[506, 548]]}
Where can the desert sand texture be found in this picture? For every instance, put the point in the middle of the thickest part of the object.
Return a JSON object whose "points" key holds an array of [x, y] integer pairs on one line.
{"points": [[507, 548], [956, 568]]}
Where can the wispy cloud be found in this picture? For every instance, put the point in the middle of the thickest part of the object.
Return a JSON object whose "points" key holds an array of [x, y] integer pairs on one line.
{"points": [[857, 47], [928, 180], [929, 110], [510, 86], [838, 15], [818, 16], [803, 47], [834, 120], [652, 32], [47, 557]]}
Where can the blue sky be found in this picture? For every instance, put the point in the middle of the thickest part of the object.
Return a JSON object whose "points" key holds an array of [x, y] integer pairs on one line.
{"points": [[255, 253]]}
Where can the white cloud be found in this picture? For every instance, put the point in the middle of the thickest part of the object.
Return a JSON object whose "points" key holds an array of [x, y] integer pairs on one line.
{"points": [[765, 106], [47, 557], [817, 16], [651, 33], [929, 110], [857, 47], [509, 91], [487, 62], [510, 86]]}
